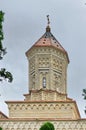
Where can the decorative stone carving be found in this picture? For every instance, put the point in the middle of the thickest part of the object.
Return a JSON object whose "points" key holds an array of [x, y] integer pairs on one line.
{"points": [[55, 109], [43, 61], [32, 64], [57, 81], [36, 124]]}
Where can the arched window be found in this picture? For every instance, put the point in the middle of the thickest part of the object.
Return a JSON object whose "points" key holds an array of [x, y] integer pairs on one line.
{"points": [[44, 82]]}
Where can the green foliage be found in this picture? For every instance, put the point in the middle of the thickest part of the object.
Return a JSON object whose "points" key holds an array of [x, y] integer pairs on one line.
{"points": [[3, 73], [6, 75], [0, 128], [47, 126], [2, 50], [84, 95]]}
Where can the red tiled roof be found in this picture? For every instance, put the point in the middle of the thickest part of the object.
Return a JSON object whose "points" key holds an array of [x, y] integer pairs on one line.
{"points": [[49, 40]]}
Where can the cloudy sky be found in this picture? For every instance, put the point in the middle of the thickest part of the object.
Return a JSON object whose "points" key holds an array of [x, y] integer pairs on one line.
{"points": [[24, 23]]}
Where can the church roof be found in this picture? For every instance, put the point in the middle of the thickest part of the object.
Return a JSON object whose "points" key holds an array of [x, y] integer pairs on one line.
{"points": [[48, 40]]}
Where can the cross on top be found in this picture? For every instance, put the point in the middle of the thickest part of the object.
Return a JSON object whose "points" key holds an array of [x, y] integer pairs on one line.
{"points": [[48, 20]]}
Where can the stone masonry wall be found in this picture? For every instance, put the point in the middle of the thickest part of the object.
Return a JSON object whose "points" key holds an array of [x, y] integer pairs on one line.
{"points": [[35, 125]]}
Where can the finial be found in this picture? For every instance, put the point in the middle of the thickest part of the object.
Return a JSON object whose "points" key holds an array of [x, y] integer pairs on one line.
{"points": [[48, 20], [48, 23]]}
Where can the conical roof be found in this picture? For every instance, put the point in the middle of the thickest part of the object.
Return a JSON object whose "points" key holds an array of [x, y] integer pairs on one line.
{"points": [[49, 40]]}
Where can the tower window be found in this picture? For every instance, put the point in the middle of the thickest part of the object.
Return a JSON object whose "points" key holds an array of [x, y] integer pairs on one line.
{"points": [[44, 82]]}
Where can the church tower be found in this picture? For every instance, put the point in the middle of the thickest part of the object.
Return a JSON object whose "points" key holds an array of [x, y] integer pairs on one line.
{"points": [[48, 63], [47, 96]]}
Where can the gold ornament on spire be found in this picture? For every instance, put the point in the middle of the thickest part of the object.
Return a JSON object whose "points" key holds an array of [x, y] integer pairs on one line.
{"points": [[48, 23]]}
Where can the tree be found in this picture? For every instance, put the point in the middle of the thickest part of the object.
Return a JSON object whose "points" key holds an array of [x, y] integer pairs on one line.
{"points": [[0, 128], [84, 95], [3, 73], [47, 126]]}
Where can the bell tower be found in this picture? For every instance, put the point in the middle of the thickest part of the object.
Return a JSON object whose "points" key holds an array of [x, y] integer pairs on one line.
{"points": [[47, 97], [48, 63]]}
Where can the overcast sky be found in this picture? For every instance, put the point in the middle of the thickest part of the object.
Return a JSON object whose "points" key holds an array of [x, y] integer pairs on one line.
{"points": [[24, 23]]}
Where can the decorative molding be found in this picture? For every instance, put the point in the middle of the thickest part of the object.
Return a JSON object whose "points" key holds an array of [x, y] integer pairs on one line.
{"points": [[27, 124], [59, 109]]}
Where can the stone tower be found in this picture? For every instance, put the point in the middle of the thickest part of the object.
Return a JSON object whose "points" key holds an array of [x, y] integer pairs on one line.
{"points": [[48, 62], [47, 96]]}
